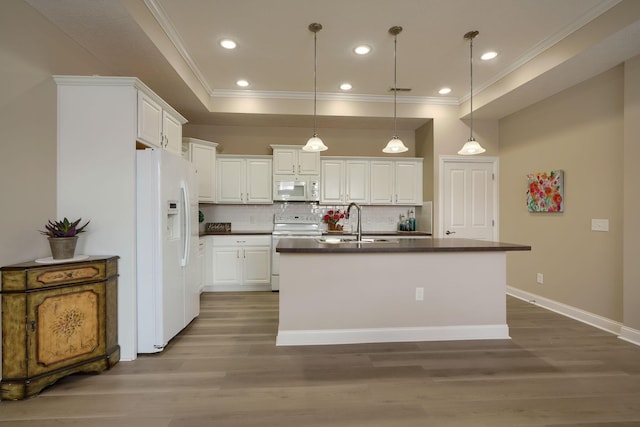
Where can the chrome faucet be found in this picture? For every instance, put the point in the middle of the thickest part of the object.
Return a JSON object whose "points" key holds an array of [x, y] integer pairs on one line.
{"points": [[352, 204]]}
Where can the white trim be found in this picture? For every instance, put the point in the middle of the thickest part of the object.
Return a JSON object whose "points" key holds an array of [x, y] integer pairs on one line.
{"points": [[376, 335], [469, 159], [236, 288], [543, 45], [630, 335], [327, 96], [568, 311], [167, 26]]}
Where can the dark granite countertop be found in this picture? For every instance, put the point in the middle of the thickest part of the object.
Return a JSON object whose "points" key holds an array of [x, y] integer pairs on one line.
{"points": [[237, 233], [381, 233], [398, 246]]}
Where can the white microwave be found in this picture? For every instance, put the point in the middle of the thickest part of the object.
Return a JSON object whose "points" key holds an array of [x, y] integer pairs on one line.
{"points": [[290, 189]]}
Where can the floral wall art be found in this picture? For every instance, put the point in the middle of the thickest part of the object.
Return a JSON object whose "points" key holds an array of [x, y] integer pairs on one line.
{"points": [[545, 191]]}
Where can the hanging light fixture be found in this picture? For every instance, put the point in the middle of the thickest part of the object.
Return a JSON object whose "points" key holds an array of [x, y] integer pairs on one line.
{"points": [[315, 143], [395, 145], [472, 146]]}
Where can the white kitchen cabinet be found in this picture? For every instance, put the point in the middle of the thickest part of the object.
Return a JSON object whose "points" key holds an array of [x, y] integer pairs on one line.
{"points": [[203, 155], [202, 252], [158, 124], [396, 182], [293, 160], [244, 179], [240, 263], [344, 181]]}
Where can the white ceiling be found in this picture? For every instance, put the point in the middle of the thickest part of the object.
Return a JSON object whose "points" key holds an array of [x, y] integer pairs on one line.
{"points": [[172, 45]]}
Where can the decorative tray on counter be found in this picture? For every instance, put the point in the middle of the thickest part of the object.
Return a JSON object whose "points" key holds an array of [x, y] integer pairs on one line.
{"points": [[218, 227]]}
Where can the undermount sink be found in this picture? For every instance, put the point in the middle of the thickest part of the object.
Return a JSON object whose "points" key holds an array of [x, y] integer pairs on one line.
{"points": [[352, 240]]}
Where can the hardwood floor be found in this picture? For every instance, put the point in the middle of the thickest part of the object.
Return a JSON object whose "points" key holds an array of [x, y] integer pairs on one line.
{"points": [[224, 370]]}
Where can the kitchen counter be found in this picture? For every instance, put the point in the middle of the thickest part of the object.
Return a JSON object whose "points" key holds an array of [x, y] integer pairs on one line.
{"points": [[237, 233], [402, 290], [383, 233], [398, 246]]}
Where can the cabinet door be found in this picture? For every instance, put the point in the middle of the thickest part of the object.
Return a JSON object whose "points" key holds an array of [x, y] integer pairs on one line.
{"points": [[204, 159], [357, 181], [230, 180], [227, 265], [172, 133], [382, 183], [257, 265], [66, 326], [285, 161], [149, 121], [408, 182], [258, 183], [308, 163], [332, 187]]}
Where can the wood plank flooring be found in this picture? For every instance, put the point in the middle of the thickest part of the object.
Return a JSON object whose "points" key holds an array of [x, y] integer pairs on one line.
{"points": [[224, 370]]}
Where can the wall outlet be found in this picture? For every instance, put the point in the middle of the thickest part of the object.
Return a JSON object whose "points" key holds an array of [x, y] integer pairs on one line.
{"points": [[599, 225], [419, 294], [539, 278]]}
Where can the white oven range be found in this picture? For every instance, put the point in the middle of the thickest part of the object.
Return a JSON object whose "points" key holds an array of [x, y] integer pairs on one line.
{"points": [[290, 226]]}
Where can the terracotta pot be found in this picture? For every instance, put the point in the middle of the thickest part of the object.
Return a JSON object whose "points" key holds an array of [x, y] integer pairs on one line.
{"points": [[63, 247]]}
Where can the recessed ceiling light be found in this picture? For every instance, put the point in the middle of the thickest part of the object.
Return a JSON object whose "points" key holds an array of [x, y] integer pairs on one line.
{"points": [[345, 86], [363, 49], [228, 44], [242, 83], [488, 55], [444, 90]]}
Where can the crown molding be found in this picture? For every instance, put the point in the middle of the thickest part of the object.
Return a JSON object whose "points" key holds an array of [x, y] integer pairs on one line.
{"points": [[325, 96]]}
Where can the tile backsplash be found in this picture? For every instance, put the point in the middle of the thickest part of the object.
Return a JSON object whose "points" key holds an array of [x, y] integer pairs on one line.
{"points": [[260, 217]]}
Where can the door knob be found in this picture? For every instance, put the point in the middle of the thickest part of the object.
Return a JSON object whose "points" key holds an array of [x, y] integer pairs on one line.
{"points": [[449, 232]]}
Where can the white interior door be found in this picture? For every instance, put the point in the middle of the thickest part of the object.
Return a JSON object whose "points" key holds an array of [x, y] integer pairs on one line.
{"points": [[468, 198]]}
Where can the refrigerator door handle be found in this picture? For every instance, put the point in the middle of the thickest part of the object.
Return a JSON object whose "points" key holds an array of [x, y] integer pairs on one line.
{"points": [[186, 224]]}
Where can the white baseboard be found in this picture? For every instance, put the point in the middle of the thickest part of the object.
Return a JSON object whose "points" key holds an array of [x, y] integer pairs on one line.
{"points": [[360, 336], [617, 328], [630, 335], [236, 288]]}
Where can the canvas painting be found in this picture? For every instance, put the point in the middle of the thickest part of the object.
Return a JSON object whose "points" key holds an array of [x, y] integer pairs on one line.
{"points": [[545, 191]]}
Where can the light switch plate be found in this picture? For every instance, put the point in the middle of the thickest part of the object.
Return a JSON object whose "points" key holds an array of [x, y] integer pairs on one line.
{"points": [[600, 225]]}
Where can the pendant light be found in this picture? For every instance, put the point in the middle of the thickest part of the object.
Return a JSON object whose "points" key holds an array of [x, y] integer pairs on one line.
{"points": [[315, 143], [395, 145], [472, 146]]}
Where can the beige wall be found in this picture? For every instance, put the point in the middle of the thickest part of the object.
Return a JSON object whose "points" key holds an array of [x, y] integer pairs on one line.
{"points": [[32, 50], [631, 266], [580, 131]]}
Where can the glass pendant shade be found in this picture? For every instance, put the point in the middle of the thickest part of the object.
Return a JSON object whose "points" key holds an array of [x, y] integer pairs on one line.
{"points": [[314, 144], [395, 145], [471, 147]]}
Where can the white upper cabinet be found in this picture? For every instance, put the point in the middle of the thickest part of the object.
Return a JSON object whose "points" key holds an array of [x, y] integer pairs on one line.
{"points": [[244, 179], [159, 125], [344, 181], [203, 156], [396, 182], [292, 160]]}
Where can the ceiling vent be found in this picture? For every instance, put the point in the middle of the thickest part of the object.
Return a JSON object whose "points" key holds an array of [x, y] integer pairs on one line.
{"points": [[400, 89]]}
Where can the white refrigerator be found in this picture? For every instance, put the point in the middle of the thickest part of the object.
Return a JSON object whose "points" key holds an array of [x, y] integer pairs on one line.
{"points": [[168, 294]]}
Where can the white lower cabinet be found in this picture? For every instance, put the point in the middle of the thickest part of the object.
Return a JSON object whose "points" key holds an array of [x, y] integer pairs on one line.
{"points": [[239, 263]]}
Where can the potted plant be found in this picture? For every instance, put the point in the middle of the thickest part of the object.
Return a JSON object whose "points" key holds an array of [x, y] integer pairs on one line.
{"points": [[63, 236]]}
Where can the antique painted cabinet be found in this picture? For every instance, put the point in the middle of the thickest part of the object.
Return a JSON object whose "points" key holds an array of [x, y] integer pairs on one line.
{"points": [[57, 319]]}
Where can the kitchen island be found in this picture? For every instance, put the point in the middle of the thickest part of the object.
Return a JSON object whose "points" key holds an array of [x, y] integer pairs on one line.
{"points": [[392, 290]]}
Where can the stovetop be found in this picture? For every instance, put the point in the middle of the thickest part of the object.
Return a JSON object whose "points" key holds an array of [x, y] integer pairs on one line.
{"points": [[296, 224]]}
